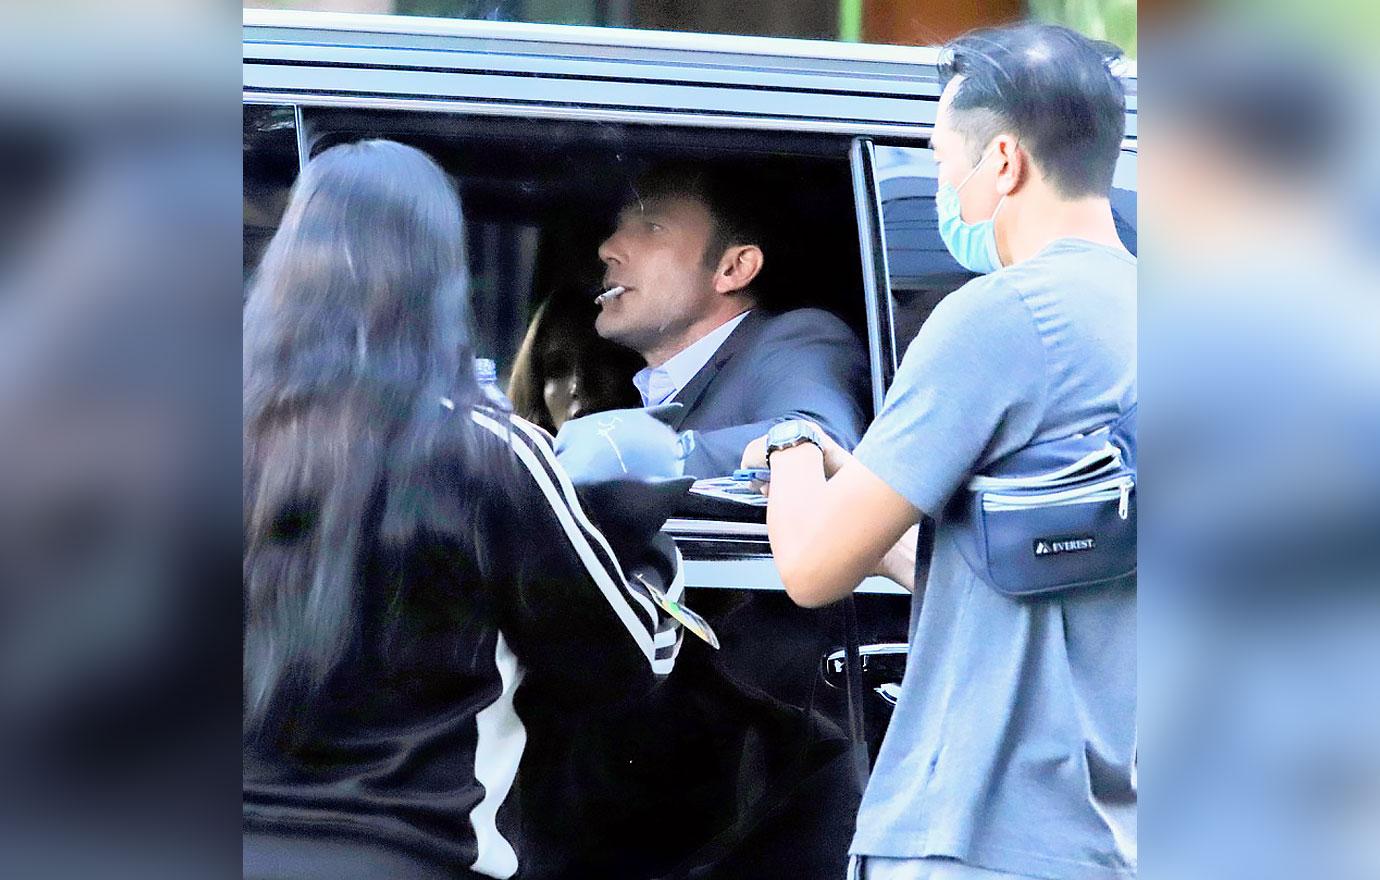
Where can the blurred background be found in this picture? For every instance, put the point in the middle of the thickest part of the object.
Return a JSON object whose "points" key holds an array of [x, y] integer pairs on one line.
{"points": [[903, 22]]}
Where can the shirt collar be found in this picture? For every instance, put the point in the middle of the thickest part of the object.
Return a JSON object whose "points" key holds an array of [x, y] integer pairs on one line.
{"points": [[660, 384]]}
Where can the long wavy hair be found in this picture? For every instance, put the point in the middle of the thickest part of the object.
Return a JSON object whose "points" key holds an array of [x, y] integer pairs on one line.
{"points": [[357, 325]]}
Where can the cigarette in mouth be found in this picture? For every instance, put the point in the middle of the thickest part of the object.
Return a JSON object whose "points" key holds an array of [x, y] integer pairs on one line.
{"points": [[608, 295]]}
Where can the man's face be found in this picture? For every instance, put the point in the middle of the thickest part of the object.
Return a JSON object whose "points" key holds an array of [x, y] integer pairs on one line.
{"points": [[978, 196], [657, 254]]}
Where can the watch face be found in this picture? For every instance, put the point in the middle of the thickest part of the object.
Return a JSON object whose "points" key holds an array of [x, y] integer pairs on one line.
{"points": [[783, 432]]}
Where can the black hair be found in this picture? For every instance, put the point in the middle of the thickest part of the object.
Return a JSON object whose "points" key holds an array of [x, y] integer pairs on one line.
{"points": [[561, 340], [356, 326], [1050, 87]]}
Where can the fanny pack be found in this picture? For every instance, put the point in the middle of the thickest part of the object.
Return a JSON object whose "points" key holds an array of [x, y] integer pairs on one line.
{"points": [[1054, 516]]}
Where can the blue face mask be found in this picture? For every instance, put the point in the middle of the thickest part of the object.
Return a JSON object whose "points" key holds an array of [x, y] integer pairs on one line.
{"points": [[973, 245]]}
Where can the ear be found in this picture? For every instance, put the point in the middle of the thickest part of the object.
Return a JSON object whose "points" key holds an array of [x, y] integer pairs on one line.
{"points": [[740, 264], [1013, 164]]}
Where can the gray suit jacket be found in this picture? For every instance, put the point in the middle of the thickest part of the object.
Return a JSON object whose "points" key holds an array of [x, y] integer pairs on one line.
{"points": [[804, 363]]}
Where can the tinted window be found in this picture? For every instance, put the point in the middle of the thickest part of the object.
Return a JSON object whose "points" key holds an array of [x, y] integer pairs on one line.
{"points": [[270, 167], [540, 195]]}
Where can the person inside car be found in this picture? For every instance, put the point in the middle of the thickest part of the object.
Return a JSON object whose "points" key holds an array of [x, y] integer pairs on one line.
{"points": [[564, 370], [689, 253], [422, 587], [712, 776]]}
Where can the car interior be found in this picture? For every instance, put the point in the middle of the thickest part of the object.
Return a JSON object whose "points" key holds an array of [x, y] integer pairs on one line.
{"points": [[270, 167], [540, 195]]}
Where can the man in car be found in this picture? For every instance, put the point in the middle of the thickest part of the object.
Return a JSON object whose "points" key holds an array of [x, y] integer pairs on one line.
{"points": [[714, 777], [688, 253], [1012, 750]]}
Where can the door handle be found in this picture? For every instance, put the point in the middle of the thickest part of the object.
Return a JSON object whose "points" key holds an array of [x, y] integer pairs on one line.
{"points": [[882, 663], [891, 692]]}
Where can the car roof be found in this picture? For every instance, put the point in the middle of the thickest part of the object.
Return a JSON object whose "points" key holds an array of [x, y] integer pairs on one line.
{"points": [[561, 69], [573, 35], [611, 37]]}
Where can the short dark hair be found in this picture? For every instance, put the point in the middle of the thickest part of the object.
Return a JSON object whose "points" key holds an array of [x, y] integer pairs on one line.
{"points": [[726, 193], [1049, 86]]}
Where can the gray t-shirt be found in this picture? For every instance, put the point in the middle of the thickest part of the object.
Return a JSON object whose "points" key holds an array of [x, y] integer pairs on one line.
{"points": [[1013, 744]]}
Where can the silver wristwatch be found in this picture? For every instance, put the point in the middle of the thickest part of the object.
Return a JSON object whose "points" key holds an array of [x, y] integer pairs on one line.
{"points": [[791, 432]]}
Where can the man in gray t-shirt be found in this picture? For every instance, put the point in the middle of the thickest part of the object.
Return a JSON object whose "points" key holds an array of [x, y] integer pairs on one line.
{"points": [[1012, 749]]}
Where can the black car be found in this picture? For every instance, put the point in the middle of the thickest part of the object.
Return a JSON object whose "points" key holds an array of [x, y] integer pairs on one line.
{"points": [[539, 125]]}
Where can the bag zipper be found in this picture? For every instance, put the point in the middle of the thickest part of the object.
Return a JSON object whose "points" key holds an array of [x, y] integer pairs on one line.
{"points": [[1105, 490]]}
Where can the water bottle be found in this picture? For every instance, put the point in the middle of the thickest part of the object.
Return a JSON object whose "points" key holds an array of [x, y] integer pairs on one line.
{"points": [[486, 374]]}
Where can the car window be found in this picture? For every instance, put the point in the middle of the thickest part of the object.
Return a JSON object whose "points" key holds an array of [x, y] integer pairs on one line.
{"points": [[534, 210], [538, 198], [920, 270], [270, 168]]}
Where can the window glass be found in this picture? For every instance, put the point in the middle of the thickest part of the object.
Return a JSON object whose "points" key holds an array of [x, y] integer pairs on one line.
{"points": [[270, 168], [1124, 199], [539, 196], [920, 270]]}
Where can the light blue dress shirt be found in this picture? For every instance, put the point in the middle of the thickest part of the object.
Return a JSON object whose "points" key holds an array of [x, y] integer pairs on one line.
{"points": [[659, 384]]}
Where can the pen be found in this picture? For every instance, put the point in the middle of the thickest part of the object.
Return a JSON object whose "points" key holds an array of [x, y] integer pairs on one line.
{"points": [[761, 475]]}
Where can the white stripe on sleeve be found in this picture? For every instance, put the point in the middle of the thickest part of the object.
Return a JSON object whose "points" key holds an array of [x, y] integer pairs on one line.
{"points": [[617, 597], [539, 440]]}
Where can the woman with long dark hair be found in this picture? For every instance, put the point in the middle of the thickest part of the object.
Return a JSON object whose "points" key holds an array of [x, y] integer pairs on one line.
{"points": [[564, 369], [420, 581]]}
